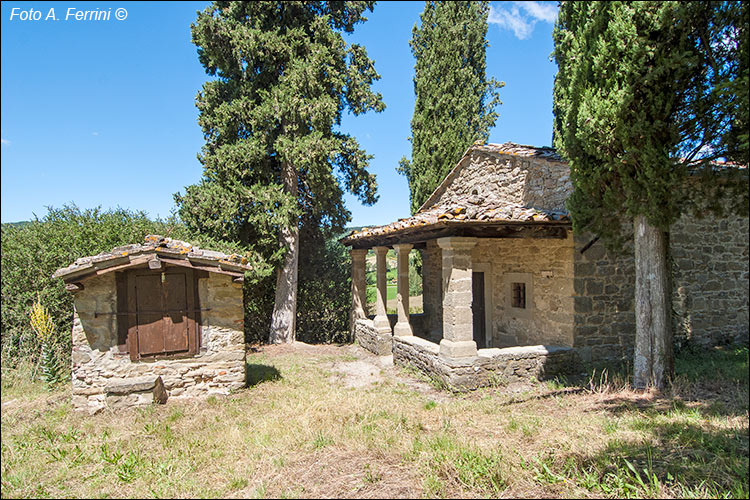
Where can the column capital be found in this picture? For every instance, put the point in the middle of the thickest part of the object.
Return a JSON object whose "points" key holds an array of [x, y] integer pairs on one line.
{"points": [[358, 252], [456, 243], [403, 247], [380, 250]]}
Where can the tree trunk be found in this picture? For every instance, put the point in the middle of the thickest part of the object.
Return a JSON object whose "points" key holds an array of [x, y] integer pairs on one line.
{"points": [[283, 320], [653, 363]]}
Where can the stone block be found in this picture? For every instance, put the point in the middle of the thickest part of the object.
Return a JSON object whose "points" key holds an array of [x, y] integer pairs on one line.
{"points": [[457, 349], [122, 393]]}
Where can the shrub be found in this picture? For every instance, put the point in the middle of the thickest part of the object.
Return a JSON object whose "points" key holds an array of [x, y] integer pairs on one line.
{"points": [[324, 291], [32, 252]]}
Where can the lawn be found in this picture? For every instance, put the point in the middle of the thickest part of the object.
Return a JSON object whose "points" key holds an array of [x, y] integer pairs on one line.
{"points": [[391, 293], [328, 421]]}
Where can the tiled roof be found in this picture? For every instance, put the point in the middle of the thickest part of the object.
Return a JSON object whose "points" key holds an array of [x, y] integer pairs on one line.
{"points": [[155, 245], [489, 213], [474, 208], [511, 148]]}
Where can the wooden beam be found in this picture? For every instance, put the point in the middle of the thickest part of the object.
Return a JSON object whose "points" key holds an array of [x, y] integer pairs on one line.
{"points": [[187, 263]]}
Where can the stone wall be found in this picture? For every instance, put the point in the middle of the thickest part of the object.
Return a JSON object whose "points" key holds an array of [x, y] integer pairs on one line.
{"points": [[432, 289], [604, 288], [369, 338], [96, 361], [710, 280], [709, 264], [524, 181], [547, 264], [490, 367]]}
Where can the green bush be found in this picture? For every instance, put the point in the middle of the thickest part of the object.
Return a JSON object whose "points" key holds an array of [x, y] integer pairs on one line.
{"points": [[324, 291], [32, 252]]}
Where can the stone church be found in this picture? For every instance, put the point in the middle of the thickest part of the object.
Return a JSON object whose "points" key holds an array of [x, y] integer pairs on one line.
{"points": [[510, 292]]}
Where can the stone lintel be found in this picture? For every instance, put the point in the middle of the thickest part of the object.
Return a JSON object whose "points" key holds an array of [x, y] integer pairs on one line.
{"points": [[456, 243], [132, 384]]}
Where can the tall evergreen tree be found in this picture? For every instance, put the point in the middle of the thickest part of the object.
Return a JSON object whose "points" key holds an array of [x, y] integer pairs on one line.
{"points": [[283, 77], [455, 103], [646, 94]]}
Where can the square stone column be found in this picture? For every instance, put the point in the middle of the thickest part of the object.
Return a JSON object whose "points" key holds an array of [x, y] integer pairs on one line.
{"points": [[458, 329], [381, 323], [402, 326], [359, 287]]}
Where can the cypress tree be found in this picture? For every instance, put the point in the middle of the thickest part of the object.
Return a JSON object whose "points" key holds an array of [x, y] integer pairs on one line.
{"points": [[283, 76], [646, 94], [455, 103]]}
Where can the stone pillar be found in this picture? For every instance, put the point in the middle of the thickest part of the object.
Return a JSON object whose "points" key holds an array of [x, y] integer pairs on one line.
{"points": [[458, 332], [359, 286], [402, 326], [381, 319]]}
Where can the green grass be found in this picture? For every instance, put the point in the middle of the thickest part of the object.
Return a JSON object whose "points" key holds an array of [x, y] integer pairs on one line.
{"points": [[296, 431], [392, 291]]}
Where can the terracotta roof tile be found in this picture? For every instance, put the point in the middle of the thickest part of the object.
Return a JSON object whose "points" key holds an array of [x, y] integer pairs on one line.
{"points": [[156, 244]]}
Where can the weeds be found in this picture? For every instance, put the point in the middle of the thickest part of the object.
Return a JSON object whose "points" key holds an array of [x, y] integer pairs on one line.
{"points": [[302, 435]]}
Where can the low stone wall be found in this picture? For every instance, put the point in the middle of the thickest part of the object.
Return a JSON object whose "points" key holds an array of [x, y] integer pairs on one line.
{"points": [[490, 367], [369, 338], [218, 368]]}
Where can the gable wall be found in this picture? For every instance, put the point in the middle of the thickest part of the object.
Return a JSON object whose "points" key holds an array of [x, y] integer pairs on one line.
{"points": [[505, 178]]}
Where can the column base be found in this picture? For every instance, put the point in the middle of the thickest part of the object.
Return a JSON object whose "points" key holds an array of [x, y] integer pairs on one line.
{"points": [[381, 324], [457, 350], [402, 329]]}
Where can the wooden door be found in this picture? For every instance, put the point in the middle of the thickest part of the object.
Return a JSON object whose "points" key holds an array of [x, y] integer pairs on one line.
{"points": [[162, 312], [478, 308]]}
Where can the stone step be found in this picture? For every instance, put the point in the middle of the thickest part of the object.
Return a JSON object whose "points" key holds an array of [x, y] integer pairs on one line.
{"points": [[135, 391]]}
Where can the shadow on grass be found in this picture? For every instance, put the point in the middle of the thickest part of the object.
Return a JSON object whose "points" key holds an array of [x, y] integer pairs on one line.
{"points": [[257, 374], [714, 380], [679, 458], [684, 447]]}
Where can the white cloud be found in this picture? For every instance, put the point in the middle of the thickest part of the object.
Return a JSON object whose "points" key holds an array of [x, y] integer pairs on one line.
{"points": [[521, 21], [541, 11], [5, 142]]}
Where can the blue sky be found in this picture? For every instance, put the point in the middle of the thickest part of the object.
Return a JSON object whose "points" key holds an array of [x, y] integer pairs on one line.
{"points": [[101, 113]]}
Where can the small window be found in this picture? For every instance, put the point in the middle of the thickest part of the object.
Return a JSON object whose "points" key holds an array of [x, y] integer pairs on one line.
{"points": [[518, 295]]}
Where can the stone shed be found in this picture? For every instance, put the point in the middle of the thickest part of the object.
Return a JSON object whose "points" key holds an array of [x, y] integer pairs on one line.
{"points": [[157, 320], [510, 292]]}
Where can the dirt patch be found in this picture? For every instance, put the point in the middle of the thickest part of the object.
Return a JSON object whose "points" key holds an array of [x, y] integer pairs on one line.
{"points": [[359, 368], [358, 373], [338, 473], [297, 347]]}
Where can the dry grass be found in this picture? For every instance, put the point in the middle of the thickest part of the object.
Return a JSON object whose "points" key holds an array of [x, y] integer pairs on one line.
{"points": [[304, 428]]}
